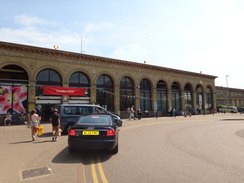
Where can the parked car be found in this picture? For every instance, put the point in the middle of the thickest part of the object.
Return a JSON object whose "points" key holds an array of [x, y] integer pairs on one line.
{"points": [[231, 109], [70, 113], [240, 109], [94, 131]]}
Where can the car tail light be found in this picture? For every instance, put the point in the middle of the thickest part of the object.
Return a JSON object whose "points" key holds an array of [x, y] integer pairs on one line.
{"points": [[72, 132], [111, 132]]}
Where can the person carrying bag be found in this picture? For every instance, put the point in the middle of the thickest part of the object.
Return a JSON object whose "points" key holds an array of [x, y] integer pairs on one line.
{"points": [[34, 123]]}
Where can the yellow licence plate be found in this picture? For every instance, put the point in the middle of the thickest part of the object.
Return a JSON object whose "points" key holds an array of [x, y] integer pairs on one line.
{"points": [[90, 133]]}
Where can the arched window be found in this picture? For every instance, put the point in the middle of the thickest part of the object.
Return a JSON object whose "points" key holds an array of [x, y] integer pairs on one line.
{"points": [[188, 96], [105, 91], [145, 93], [126, 93], [199, 97], [175, 95], [209, 99], [80, 80], [47, 77], [162, 96]]}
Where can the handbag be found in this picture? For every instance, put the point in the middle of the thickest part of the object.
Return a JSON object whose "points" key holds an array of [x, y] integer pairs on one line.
{"points": [[40, 130], [59, 132]]}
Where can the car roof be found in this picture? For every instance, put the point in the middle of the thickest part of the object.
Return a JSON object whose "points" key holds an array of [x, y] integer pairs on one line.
{"points": [[97, 114], [79, 105]]}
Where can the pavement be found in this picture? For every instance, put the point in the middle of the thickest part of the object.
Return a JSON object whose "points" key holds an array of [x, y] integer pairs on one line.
{"points": [[24, 160]]}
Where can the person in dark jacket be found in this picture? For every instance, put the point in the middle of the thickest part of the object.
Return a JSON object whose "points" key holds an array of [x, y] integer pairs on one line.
{"points": [[55, 119], [139, 113]]}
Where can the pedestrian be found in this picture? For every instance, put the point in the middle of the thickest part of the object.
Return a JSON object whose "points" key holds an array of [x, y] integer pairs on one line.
{"points": [[22, 117], [55, 119], [39, 111], [132, 113], [198, 109], [174, 112], [33, 123], [8, 118], [170, 111], [217, 109], [139, 113]]}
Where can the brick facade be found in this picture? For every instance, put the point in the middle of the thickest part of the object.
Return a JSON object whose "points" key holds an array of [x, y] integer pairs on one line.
{"points": [[34, 59]]}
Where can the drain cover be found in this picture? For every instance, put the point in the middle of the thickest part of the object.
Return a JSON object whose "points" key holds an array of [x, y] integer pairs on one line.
{"points": [[37, 172]]}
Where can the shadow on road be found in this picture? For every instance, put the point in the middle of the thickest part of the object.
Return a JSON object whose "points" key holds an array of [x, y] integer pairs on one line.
{"points": [[22, 142], [240, 133], [81, 156]]}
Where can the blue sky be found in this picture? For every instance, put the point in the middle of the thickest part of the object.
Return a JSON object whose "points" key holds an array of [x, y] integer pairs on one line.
{"points": [[190, 35]]}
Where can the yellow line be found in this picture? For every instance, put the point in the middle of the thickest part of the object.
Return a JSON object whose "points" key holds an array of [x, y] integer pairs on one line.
{"points": [[93, 169], [103, 177]]}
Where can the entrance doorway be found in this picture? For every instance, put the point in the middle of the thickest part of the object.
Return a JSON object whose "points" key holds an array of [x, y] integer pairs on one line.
{"points": [[47, 110]]}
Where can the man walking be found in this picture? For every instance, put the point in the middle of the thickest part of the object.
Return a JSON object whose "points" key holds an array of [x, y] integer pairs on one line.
{"points": [[132, 113]]}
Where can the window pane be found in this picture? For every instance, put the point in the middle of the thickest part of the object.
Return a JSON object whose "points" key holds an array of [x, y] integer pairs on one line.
{"points": [[83, 79], [100, 80], [54, 76], [74, 78], [43, 76]]}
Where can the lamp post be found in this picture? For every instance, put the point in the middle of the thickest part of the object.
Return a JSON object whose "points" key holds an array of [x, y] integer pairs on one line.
{"points": [[227, 89]]}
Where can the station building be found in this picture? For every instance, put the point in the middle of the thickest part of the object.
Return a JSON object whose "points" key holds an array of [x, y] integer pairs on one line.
{"points": [[229, 96], [27, 73]]}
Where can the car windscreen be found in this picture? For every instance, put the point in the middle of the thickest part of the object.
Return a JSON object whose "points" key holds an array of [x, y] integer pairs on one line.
{"points": [[77, 110], [94, 120]]}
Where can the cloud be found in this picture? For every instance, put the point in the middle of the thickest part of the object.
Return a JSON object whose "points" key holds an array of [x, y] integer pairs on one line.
{"points": [[27, 20], [38, 32]]}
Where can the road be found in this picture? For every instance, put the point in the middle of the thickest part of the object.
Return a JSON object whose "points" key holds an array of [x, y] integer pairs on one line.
{"points": [[197, 149]]}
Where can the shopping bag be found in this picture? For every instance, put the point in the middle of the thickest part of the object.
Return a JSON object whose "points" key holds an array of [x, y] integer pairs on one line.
{"points": [[40, 130], [59, 132]]}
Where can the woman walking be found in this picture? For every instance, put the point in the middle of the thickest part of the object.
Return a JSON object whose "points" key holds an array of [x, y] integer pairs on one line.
{"points": [[55, 124], [34, 123]]}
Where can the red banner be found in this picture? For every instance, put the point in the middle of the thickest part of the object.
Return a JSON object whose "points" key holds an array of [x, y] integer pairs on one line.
{"points": [[50, 90]]}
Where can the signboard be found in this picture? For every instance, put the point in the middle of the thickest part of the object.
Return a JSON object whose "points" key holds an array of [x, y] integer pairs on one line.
{"points": [[50, 90]]}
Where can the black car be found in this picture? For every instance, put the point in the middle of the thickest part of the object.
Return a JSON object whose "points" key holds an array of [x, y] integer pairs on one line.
{"points": [[94, 131]]}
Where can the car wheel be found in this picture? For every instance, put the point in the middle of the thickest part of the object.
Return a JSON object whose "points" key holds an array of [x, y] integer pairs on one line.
{"points": [[114, 150]]}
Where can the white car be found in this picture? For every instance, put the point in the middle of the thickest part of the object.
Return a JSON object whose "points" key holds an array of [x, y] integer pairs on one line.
{"points": [[231, 109]]}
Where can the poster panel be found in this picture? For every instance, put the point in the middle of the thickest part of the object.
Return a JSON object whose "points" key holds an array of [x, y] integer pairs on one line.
{"points": [[13, 99]]}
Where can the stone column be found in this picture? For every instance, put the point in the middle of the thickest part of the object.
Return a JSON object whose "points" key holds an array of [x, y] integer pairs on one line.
{"points": [[65, 98], [204, 96], [182, 100], [31, 95], [154, 97], [137, 99], [194, 100], [93, 94], [116, 100], [169, 102]]}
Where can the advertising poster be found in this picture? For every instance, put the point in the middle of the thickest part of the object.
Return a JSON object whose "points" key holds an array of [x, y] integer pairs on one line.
{"points": [[13, 99]]}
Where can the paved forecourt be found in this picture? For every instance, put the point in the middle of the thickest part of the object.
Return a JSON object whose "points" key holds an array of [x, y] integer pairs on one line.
{"points": [[46, 161]]}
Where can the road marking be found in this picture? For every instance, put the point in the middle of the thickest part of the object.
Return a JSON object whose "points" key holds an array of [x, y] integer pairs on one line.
{"points": [[101, 171], [100, 168], [93, 169]]}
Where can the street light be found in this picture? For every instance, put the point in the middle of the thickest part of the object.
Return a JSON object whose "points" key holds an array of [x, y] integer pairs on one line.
{"points": [[227, 80]]}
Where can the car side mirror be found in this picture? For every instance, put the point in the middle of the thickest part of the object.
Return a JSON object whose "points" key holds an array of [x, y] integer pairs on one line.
{"points": [[119, 123]]}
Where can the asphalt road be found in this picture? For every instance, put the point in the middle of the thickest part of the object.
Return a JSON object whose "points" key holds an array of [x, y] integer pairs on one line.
{"points": [[197, 149]]}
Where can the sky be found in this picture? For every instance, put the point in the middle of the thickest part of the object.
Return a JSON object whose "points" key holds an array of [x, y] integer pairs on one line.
{"points": [[192, 35]]}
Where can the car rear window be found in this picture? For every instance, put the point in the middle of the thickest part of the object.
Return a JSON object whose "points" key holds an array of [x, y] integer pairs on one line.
{"points": [[77, 110], [94, 120]]}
